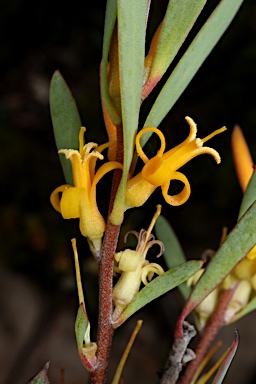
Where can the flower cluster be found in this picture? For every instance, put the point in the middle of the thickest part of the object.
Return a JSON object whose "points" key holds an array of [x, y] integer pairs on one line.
{"points": [[243, 277]]}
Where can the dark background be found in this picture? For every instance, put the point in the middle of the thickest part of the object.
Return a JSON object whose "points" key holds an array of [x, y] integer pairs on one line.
{"points": [[37, 288]]}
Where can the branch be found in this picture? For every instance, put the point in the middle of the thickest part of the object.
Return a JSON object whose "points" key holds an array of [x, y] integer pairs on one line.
{"points": [[179, 355]]}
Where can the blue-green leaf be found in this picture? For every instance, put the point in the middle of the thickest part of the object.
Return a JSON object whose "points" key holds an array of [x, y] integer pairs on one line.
{"points": [[65, 119], [173, 253], [179, 19], [110, 19], [132, 16], [236, 246], [191, 61], [249, 196]]}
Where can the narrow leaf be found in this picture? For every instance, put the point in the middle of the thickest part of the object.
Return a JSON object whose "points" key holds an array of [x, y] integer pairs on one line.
{"points": [[159, 286], [173, 253], [81, 325], [132, 16], [42, 376], [86, 351], [110, 20], [237, 244], [249, 196], [179, 19], [227, 361], [65, 119], [191, 61]]}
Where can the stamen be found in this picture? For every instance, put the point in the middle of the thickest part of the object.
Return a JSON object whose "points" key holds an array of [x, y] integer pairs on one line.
{"points": [[81, 139], [122, 362], [153, 221], [154, 242], [135, 233], [78, 274], [220, 130], [224, 235]]}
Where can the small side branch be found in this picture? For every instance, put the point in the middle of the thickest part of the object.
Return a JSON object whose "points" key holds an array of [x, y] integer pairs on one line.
{"points": [[213, 326], [179, 355]]}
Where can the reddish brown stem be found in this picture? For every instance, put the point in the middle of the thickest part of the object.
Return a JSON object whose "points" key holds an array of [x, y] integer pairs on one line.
{"points": [[213, 326], [105, 327]]}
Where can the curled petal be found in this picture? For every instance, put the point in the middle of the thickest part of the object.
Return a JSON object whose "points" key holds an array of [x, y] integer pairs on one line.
{"points": [[155, 242], [181, 197], [69, 203], [105, 168], [138, 146], [148, 271], [55, 198], [100, 148], [193, 130], [135, 233], [209, 151]]}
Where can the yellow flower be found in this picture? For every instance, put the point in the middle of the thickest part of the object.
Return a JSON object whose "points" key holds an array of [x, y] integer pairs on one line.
{"points": [[205, 309], [162, 168], [134, 268], [79, 201], [243, 279]]}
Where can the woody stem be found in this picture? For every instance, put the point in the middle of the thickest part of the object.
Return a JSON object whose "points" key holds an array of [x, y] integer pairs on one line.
{"points": [[215, 323], [105, 327]]}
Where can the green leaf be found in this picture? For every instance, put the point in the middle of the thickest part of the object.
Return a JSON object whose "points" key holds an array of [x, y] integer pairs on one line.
{"points": [[249, 196], [179, 19], [191, 61], [42, 376], [173, 253], [81, 325], [236, 246], [132, 16], [86, 349], [159, 286], [110, 19], [65, 119], [222, 371]]}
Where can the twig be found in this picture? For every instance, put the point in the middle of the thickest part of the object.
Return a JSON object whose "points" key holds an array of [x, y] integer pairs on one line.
{"points": [[213, 326], [179, 355]]}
